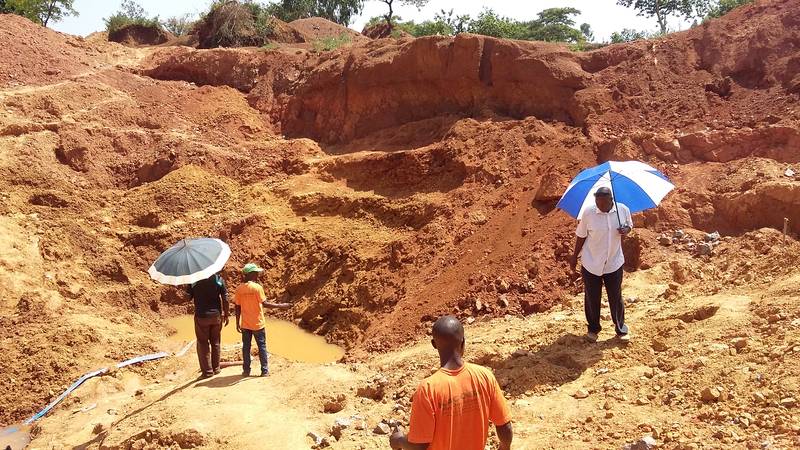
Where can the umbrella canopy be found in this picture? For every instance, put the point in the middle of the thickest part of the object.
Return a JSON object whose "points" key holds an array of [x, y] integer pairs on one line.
{"points": [[633, 183], [189, 261]]}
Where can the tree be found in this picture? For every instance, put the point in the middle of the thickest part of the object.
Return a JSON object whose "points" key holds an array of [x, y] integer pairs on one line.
{"points": [[444, 23], [429, 28], [179, 25], [662, 9], [132, 10], [489, 23], [555, 25], [457, 23], [390, 3], [726, 6], [588, 34], [339, 11], [56, 10], [40, 11]]}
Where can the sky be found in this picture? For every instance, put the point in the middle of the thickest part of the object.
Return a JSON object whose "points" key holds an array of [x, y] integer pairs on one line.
{"points": [[605, 16]]}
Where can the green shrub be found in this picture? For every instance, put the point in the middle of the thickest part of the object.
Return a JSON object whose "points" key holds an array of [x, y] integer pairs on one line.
{"points": [[330, 43], [489, 23], [130, 13], [118, 21], [630, 35], [726, 6]]}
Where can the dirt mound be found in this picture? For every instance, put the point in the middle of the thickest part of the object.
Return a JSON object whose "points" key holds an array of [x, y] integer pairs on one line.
{"points": [[317, 28], [135, 35], [284, 33], [97, 37], [187, 40], [33, 54], [382, 31], [236, 68], [233, 24]]}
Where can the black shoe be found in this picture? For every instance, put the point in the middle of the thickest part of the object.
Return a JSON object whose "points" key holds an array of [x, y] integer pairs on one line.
{"points": [[246, 373], [217, 371], [206, 376], [264, 374]]}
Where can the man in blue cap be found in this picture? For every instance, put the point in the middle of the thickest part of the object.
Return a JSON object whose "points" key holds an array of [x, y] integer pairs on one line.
{"points": [[599, 245]]}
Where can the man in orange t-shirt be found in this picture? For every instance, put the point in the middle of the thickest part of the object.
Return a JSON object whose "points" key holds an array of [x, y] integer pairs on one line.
{"points": [[452, 408], [250, 301]]}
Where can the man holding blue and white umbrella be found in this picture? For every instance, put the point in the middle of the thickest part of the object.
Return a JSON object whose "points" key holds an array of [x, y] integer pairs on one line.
{"points": [[603, 198], [599, 244]]}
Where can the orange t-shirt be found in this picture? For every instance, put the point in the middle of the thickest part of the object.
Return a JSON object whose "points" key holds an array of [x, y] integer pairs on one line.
{"points": [[452, 409], [249, 297]]}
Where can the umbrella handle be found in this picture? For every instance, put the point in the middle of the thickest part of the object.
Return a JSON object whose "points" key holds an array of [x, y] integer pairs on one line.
{"points": [[614, 197]]}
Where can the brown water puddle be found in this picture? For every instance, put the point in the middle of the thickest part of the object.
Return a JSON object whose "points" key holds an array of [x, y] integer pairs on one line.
{"points": [[283, 338]]}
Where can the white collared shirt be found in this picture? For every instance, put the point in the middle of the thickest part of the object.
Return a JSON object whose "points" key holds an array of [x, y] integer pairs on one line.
{"points": [[602, 251]]}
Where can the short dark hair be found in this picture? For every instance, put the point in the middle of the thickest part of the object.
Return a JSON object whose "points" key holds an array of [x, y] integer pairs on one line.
{"points": [[602, 192]]}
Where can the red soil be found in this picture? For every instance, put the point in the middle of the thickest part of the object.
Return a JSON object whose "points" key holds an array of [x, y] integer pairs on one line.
{"points": [[419, 177]]}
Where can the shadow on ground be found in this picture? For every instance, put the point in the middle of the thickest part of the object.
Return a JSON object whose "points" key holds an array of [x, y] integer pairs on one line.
{"points": [[559, 362]]}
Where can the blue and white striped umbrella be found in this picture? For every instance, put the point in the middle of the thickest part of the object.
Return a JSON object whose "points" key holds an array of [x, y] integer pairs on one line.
{"points": [[632, 183], [189, 261]]}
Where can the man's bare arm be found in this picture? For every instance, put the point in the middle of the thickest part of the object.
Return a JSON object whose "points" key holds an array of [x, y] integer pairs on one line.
{"points": [[573, 260], [399, 441], [505, 434], [276, 305]]}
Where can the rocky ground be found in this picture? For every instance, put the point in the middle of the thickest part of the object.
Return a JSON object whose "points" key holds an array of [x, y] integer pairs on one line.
{"points": [[716, 370], [383, 184]]}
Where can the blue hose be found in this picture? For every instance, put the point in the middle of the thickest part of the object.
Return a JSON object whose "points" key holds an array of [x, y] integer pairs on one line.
{"points": [[82, 379]]}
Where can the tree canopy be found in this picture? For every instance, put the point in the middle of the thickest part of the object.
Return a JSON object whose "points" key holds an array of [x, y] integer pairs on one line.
{"points": [[489, 23], [339, 11], [662, 9], [42, 12], [556, 25], [628, 35]]}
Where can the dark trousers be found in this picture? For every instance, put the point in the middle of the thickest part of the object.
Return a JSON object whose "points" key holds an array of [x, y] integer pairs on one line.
{"points": [[593, 290], [261, 342], [208, 331]]}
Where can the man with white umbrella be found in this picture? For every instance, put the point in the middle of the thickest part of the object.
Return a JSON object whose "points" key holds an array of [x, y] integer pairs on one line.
{"points": [[599, 245], [196, 263]]}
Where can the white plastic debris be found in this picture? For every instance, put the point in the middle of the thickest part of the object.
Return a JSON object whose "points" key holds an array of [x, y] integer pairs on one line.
{"points": [[789, 172]]}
